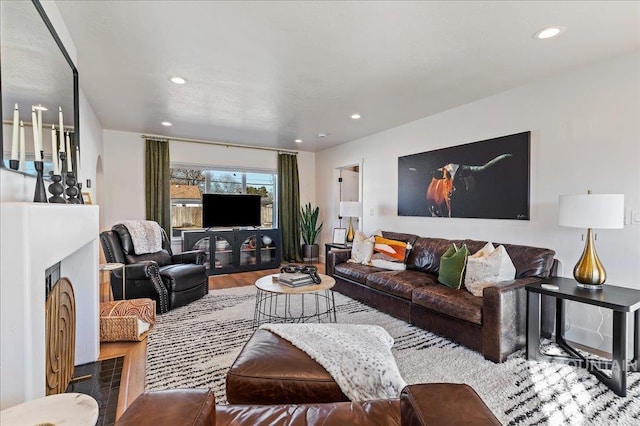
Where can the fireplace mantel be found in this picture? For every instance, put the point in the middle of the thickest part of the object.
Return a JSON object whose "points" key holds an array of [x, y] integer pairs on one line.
{"points": [[36, 236]]}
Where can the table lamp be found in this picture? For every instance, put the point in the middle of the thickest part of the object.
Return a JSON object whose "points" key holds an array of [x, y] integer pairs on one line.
{"points": [[591, 211], [350, 209]]}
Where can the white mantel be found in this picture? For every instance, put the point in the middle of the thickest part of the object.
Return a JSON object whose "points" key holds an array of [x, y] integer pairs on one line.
{"points": [[35, 236]]}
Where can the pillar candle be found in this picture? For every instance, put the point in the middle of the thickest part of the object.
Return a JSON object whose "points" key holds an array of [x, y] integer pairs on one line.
{"points": [[78, 164], [54, 151], [61, 129], [37, 147], [23, 151], [41, 141], [69, 162], [16, 131]]}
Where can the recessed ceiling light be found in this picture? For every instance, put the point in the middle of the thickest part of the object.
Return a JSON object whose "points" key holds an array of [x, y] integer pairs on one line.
{"points": [[298, 141], [178, 80], [356, 116], [166, 123], [548, 32], [322, 135]]}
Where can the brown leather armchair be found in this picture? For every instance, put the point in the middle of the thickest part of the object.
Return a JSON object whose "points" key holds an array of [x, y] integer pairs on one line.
{"points": [[172, 280]]}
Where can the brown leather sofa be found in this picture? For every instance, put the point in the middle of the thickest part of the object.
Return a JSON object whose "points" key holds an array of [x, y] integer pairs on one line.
{"points": [[493, 324], [423, 404]]}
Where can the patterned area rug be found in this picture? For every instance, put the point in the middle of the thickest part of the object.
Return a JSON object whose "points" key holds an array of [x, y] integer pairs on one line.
{"points": [[194, 346]]}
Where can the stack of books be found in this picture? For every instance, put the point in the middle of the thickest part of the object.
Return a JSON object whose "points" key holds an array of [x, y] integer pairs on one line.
{"points": [[296, 279]]}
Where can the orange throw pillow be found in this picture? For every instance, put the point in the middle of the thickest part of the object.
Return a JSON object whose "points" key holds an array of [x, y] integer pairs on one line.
{"points": [[391, 248]]}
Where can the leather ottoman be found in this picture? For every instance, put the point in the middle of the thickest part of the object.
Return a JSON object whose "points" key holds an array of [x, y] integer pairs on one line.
{"points": [[270, 370]]}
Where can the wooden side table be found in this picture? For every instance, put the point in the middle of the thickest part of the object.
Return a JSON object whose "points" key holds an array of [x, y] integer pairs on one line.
{"points": [[621, 300], [106, 294], [329, 246]]}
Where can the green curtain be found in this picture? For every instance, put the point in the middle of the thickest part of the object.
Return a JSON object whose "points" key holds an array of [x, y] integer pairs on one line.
{"points": [[289, 206], [158, 203]]}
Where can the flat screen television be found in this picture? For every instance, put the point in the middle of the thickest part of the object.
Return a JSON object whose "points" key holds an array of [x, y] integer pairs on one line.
{"points": [[224, 210]]}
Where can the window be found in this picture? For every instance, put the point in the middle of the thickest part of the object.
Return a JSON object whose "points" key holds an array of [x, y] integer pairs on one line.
{"points": [[188, 183]]}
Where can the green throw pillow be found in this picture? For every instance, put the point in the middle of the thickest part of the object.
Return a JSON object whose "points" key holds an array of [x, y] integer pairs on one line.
{"points": [[452, 264]]}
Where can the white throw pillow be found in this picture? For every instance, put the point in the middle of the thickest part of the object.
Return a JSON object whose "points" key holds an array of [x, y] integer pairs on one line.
{"points": [[484, 251], [385, 264], [362, 249], [488, 267]]}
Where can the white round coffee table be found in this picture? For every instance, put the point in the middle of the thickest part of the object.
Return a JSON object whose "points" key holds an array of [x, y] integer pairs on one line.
{"points": [[271, 308], [72, 409]]}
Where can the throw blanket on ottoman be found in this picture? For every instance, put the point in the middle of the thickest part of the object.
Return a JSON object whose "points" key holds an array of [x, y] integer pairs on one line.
{"points": [[358, 357], [146, 235]]}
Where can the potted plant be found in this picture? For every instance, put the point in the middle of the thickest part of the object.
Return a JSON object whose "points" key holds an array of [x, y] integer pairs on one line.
{"points": [[310, 230]]}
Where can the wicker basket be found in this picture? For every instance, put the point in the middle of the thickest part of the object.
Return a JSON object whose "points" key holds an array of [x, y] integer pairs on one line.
{"points": [[119, 320]]}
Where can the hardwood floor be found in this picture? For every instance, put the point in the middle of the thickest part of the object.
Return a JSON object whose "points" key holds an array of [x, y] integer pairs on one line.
{"points": [[135, 353]]}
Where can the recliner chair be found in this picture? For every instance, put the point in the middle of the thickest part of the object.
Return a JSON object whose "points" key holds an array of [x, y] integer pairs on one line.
{"points": [[172, 280]]}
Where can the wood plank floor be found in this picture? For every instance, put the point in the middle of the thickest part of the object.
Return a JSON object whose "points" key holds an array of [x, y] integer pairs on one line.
{"points": [[135, 353]]}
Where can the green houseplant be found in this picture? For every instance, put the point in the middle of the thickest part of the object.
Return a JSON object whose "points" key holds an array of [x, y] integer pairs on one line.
{"points": [[310, 230]]}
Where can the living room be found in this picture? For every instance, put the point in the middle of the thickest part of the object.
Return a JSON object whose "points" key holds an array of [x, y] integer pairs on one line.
{"points": [[582, 115]]}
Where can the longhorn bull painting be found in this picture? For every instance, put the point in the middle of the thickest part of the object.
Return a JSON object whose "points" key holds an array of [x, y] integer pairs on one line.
{"points": [[486, 179]]}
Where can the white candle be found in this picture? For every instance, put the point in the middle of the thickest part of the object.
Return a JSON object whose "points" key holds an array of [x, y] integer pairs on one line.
{"points": [[69, 162], [40, 140], [37, 147], [54, 151], [62, 149], [16, 130], [78, 164], [61, 129], [23, 151]]}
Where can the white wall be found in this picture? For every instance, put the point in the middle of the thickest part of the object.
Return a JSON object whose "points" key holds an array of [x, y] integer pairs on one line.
{"points": [[585, 128], [91, 147], [124, 170]]}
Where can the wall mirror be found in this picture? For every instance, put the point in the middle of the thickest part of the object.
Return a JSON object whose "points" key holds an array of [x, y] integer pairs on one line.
{"points": [[35, 70]]}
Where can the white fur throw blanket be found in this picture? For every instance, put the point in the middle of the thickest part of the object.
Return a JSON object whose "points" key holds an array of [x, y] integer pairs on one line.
{"points": [[146, 235], [358, 357]]}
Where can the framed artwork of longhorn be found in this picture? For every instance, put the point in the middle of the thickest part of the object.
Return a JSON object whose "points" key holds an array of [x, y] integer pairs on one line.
{"points": [[487, 179]]}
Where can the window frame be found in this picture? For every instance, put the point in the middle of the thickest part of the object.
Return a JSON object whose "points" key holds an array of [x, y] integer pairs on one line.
{"points": [[230, 169]]}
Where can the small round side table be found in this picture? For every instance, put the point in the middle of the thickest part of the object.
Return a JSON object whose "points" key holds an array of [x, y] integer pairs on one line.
{"points": [[63, 409], [106, 268]]}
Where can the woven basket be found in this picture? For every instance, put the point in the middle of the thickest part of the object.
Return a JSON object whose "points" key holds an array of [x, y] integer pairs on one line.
{"points": [[119, 320]]}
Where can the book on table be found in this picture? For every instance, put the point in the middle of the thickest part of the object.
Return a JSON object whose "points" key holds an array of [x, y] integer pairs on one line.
{"points": [[295, 279]]}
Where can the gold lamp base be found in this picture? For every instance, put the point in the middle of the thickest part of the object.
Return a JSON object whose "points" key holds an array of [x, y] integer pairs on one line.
{"points": [[589, 271], [350, 233]]}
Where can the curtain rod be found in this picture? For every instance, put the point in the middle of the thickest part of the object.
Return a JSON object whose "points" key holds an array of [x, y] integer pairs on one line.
{"points": [[228, 145]]}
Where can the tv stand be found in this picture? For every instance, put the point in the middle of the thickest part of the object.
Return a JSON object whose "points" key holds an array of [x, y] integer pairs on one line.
{"points": [[237, 250]]}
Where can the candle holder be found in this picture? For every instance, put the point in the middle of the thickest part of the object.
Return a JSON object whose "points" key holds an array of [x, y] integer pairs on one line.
{"points": [[72, 190], [14, 164], [80, 197], [40, 195], [56, 189]]}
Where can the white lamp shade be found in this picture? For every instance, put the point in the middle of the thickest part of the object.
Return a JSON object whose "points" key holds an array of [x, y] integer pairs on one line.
{"points": [[597, 211], [350, 208]]}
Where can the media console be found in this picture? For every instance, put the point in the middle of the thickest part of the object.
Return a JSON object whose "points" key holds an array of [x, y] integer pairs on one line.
{"points": [[236, 250]]}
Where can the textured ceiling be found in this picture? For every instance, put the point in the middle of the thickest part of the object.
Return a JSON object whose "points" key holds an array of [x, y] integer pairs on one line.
{"points": [[266, 73]]}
